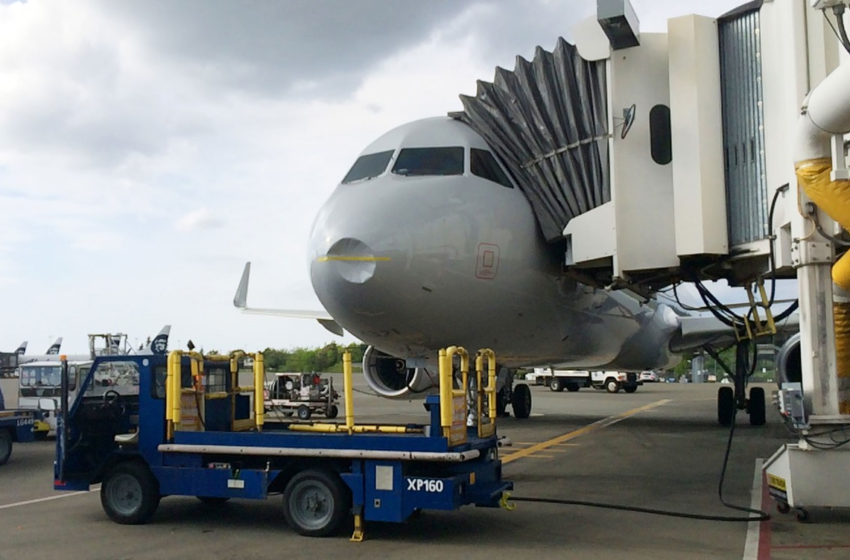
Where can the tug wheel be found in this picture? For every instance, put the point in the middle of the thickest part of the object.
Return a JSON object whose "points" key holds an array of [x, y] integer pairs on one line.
{"points": [[332, 411], [782, 507], [316, 502], [5, 446], [303, 412], [130, 493]]}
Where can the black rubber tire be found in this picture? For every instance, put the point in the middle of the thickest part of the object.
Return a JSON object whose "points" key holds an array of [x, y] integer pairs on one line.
{"points": [[303, 412], [572, 387], [521, 401], [501, 405], [332, 411], [137, 483], [725, 405], [5, 446], [334, 500], [556, 385], [612, 386], [782, 507], [630, 388], [214, 501], [756, 407], [802, 515]]}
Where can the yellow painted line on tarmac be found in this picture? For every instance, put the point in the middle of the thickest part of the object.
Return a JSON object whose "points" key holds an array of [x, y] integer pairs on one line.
{"points": [[590, 428], [541, 456], [356, 259]]}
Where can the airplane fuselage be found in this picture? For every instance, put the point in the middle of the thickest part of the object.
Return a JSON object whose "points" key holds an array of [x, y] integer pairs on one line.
{"points": [[414, 263]]}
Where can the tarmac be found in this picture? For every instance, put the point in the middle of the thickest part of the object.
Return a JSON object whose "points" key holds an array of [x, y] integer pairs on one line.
{"points": [[659, 448]]}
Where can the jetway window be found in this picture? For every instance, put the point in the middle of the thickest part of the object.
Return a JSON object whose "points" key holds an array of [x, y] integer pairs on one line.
{"points": [[429, 161], [660, 135], [483, 164], [368, 166]]}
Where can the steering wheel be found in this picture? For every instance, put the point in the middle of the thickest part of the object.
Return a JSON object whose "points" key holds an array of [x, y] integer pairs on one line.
{"points": [[112, 399]]}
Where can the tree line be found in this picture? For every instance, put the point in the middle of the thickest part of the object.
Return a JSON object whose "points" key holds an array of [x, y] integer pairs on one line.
{"points": [[328, 358]]}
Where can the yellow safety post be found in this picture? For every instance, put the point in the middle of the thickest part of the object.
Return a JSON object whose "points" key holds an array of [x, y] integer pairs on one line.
{"points": [[348, 392], [357, 535], [259, 377], [486, 430], [172, 372]]}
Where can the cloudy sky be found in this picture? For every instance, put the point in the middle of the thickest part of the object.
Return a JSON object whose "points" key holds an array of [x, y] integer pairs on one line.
{"points": [[148, 149]]}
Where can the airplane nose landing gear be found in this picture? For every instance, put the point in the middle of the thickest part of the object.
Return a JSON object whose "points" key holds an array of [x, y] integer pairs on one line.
{"points": [[735, 397]]}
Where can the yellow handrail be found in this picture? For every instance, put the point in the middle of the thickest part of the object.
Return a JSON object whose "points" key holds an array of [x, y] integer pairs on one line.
{"points": [[348, 392], [259, 401], [174, 389], [453, 429], [489, 428]]}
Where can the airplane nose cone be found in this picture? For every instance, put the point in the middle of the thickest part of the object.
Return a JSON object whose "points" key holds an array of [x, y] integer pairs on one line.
{"points": [[351, 259]]}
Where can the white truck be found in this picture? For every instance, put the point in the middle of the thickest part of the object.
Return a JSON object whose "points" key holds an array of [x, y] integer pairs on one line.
{"points": [[572, 380]]}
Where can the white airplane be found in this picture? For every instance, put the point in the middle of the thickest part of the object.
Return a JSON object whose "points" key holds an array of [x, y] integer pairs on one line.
{"points": [[428, 243]]}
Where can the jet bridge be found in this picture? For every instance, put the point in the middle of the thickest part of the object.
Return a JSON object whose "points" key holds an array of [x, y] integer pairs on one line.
{"points": [[654, 158]]}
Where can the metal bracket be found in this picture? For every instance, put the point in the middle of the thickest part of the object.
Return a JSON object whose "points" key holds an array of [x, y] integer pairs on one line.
{"points": [[804, 252], [768, 326], [839, 162]]}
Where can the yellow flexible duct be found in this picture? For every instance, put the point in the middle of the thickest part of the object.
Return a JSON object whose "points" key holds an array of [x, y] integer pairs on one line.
{"points": [[833, 197], [841, 312]]}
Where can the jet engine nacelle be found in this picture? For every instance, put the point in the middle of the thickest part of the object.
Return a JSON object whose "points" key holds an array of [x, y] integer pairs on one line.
{"points": [[789, 363], [391, 378]]}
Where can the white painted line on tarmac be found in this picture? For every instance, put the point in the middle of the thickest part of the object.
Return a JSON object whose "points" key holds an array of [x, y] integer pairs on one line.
{"points": [[751, 545], [49, 498]]}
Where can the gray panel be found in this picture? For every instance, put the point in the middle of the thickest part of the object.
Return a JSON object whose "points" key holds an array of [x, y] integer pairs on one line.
{"points": [[548, 122], [743, 126]]}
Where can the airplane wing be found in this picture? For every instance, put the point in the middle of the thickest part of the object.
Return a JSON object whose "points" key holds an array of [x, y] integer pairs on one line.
{"points": [[699, 330], [240, 301]]}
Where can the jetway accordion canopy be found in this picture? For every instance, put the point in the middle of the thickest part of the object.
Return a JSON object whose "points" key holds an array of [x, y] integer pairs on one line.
{"points": [[548, 122]]}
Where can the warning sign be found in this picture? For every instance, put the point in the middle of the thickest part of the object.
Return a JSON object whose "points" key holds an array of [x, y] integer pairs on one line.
{"points": [[457, 435], [777, 488]]}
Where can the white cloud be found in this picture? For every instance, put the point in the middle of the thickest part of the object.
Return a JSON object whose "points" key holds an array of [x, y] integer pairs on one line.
{"points": [[201, 218]]}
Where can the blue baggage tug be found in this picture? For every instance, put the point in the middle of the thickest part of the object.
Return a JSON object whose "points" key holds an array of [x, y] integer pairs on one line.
{"points": [[190, 430]]}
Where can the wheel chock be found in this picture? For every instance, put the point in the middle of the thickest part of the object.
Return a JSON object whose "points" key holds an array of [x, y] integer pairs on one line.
{"points": [[504, 503], [357, 535]]}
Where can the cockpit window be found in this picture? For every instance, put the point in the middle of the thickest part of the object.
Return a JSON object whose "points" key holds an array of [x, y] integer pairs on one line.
{"points": [[368, 166], [483, 164], [429, 161]]}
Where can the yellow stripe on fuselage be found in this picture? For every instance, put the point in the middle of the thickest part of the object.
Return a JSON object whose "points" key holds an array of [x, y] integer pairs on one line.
{"points": [[356, 259]]}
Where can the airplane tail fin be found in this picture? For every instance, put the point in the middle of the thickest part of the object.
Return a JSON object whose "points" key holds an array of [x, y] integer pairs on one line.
{"points": [[54, 348], [22, 349], [159, 343], [240, 299]]}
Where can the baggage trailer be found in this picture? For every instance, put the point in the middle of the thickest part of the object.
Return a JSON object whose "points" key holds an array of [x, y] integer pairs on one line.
{"points": [[191, 431]]}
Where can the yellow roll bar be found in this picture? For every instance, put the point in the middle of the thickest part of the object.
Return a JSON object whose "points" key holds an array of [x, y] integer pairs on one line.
{"points": [[489, 428], [174, 389]]}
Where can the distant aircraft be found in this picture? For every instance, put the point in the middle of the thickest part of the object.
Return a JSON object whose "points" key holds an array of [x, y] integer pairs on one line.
{"points": [[22, 349], [428, 243], [159, 345], [53, 349]]}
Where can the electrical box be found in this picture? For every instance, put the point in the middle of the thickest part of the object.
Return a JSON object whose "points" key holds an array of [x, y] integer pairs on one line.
{"points": [[620, 23]]}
